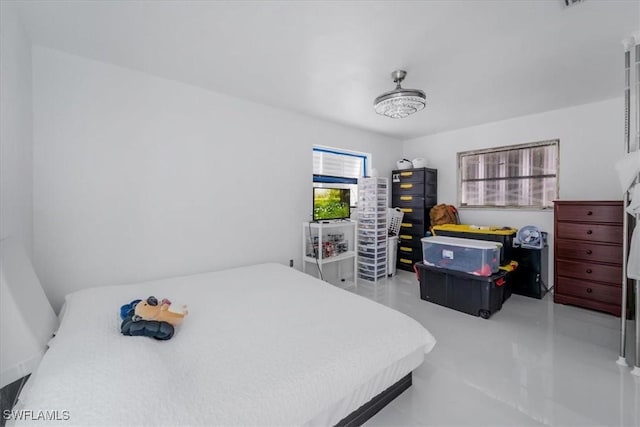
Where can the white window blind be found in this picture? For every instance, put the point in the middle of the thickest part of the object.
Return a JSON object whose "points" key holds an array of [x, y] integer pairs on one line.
{"points": [[332, 163], [339, 169], [519, 176]]}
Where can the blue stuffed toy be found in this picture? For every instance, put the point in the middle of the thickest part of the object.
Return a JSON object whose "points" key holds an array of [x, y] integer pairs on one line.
{"points": [[125, 309]]}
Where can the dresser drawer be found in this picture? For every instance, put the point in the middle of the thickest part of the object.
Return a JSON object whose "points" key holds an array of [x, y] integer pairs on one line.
{"points": [[415, 229], [585, 212], [408, 262], [588, 251], [407, 176], [408, 201], [581, 270], [408, 251], [416, 215], [590, 291], [407, 239], [591, 232], [400, 188]]}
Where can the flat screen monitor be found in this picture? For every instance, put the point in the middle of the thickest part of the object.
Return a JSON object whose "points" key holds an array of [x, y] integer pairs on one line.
{"points": [[331, 203]]}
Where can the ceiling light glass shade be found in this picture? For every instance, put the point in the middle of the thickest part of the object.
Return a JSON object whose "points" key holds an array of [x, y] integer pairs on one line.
{"points": [[400, 103]]}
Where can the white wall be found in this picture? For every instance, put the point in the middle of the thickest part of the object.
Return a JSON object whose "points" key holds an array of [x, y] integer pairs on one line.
{"points": [[138, 177], [590, 144], [16, 124]]}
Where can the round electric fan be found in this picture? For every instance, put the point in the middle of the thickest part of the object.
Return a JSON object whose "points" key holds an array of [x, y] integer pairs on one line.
{"points": [[531, 237]]}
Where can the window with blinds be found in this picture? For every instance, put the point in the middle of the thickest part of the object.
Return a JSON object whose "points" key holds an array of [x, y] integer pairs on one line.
{"points": [[339, 169], [517, 176]]}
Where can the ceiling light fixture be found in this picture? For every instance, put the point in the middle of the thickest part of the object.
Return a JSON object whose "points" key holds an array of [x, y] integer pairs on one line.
{"points": [[399, 103]]}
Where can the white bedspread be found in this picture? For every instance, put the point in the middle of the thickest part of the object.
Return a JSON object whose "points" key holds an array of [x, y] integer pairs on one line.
{"points": [[262, 345]]}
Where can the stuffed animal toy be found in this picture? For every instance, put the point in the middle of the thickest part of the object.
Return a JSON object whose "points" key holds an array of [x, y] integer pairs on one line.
{"points": [[150, 309], [150, 319]]}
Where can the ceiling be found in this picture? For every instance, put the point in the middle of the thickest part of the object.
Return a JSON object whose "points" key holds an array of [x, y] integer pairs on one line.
{"points": [[477, 61]]}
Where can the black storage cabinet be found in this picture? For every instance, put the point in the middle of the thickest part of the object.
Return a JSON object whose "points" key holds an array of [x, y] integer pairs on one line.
{"points": [[415, 192], [533, 269], [468, 293]]}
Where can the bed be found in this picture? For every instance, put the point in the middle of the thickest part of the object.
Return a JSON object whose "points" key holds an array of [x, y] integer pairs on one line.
{"points": [[261, 345]]}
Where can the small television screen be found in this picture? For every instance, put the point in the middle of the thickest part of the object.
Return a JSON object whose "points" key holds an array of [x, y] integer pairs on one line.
{"points": [[331, 203]]}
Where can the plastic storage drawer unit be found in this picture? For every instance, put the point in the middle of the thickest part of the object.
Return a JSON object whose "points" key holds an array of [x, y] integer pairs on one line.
{"points": [[465, 255], [504, 235], [478, 296]]}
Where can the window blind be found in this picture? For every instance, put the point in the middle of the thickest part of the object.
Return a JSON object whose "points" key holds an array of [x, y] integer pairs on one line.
{"points": [[338, 169], [516, 176], [338, 164]]}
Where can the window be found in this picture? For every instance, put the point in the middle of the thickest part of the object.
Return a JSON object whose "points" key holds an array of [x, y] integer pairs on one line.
{"points": [[339, 169], [517, 176]]}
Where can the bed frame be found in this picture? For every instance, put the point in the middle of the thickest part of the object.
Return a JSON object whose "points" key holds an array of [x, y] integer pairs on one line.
{"points": [[372, 407], [9, 396]]}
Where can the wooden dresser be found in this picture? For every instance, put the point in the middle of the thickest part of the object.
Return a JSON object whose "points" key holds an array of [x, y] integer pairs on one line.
{"points": [[588, 254]]}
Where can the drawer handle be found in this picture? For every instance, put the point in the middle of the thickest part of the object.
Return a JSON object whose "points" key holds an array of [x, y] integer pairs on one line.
{"points": [[407, 210], [406, 249], [406, 236], [589, 271], [589, 290], [406, 197], [589, 251], [589, 213], [406, 173], [589, 231], [406, 185], [406, 225]]}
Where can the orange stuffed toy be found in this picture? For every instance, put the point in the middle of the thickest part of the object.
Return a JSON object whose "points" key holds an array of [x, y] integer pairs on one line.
{"points": [[150, 309]]}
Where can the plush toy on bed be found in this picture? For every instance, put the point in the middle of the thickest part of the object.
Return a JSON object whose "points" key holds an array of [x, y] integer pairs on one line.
{"points": [[150, 309], [150, 318]]}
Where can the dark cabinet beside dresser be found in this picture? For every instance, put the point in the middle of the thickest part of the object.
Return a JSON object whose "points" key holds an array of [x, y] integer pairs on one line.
{"points": [[588, 254], [415, 191]]}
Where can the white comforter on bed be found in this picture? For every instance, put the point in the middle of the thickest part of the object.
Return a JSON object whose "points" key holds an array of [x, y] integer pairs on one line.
{"points": [[262, 345]]}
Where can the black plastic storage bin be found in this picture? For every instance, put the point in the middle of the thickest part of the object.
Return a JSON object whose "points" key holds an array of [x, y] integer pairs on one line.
{"points": [[507, 287], [468, 293]]}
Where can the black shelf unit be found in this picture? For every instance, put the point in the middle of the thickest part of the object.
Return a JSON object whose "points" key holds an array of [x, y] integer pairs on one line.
{"points": [[415, 191], [529, 279]]}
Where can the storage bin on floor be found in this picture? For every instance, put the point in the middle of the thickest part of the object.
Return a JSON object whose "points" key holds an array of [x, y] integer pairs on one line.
{"points": [[465, 255], [507, 288], [504, 235], [467, 293]]}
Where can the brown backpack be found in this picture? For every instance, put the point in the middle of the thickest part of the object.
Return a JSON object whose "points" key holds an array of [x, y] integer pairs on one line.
{"points": [[444, 214]]}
